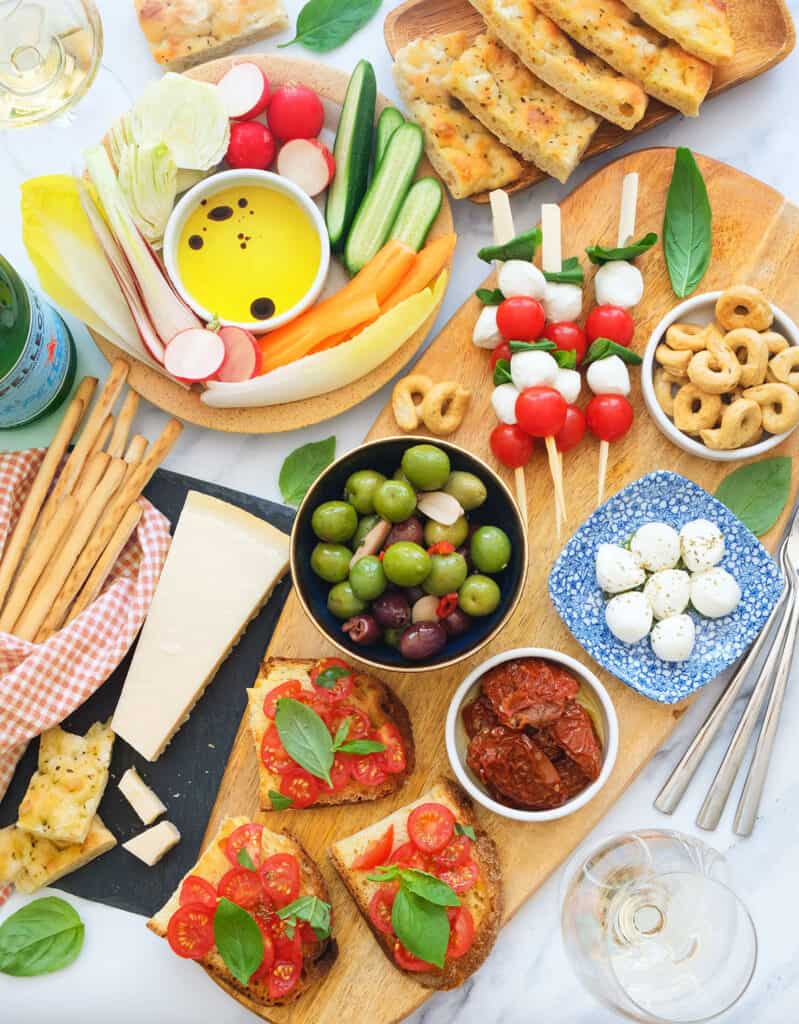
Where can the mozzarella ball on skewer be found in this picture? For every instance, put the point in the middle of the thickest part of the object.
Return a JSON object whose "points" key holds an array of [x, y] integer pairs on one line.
{"points": [[569, 383], [533, 369], [609, 377], [629, 616], [486, 333], [673, 639], [656, 546], [617, 570], [563, 302], [619, 283], [715, 593], [702, 544], [669, 592], [519, 277], [503, 399]]}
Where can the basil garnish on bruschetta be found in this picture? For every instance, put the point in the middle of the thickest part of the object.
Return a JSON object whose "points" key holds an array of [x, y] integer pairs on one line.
{"points": [[238, 939], [311, 909], [419, 914]]}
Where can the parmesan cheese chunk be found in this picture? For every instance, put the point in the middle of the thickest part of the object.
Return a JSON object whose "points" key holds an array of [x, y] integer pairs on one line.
{"points": [[151, 845], [141, 798]]}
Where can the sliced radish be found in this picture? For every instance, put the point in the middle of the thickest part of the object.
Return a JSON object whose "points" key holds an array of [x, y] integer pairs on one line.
{"points": [[242, 355], [303, 161], [195, 354], [244, 91]]}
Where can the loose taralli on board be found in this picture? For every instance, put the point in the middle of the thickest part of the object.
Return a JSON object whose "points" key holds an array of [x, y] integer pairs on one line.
{"points": [[440, 406]]}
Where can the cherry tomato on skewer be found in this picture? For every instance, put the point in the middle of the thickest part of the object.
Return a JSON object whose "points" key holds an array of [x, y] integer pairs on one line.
{"points": [[502, 351], [611, 322], [568, 337], [510, 445], [521, 318], [609, 417], [541, 411], [573, 429]]}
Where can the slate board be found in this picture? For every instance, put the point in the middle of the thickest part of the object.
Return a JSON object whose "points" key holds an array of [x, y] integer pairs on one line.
{"points": [[188, 773]]}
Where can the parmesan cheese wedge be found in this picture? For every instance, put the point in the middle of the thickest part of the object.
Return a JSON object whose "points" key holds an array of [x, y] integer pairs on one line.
{"points": [[151, 845], [222, 566], [147, 804]]}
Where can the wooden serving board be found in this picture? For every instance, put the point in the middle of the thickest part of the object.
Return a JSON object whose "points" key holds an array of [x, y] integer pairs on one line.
{"points": [[756, 240], [331, 85], [764, 35]]}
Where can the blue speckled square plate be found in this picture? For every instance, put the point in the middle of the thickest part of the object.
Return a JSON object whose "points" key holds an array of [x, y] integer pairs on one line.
{"points": [[668, 498]]}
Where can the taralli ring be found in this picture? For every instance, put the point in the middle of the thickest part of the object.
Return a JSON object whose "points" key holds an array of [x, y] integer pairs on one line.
{"points": [[743, 306], [775, 342], [779, 405], [751, 352], [785, 367], [715, 370], [444, 407], [741, 424], [407, 398], [687, 337], [694, 410], [675, 362], [663, 383]]}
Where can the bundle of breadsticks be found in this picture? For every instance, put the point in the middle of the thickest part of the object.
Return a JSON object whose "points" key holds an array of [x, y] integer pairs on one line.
{"points": [[75, 523]]}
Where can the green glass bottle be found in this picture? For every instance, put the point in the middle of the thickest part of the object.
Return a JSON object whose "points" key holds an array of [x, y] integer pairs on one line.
{"points": [[37, 353]]}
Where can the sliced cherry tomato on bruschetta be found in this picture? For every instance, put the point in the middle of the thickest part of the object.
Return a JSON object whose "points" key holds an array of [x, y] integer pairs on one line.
{"points": [[280, 875], [392, 758], [244, 837], [409, 856], [190, 931], [289, 948], [457, 851], [368, 770], [291, 688], [269, 958], [198, 891], [283, 978], [359, 726], [462, 877], [380, 909], [274, 755], [377, 852], [340, 774], [461, 932], [342, 687], [408, 962], [241, 886], [316, 702], [430, 827], [301, 788]]}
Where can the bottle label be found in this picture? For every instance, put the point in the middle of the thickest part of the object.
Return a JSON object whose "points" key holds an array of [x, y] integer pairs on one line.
{"points": [[39, 373]]}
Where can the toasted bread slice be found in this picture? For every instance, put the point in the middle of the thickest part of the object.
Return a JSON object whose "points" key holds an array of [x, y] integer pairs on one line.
{"points": [[484, 900], [612, 31], [701, 27], [521, 110], [212, 865], [553, 57], [377, 700]]}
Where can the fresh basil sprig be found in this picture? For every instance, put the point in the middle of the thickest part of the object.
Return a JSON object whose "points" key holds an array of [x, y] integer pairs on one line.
{"points": [[565, 358], [490, 296], [502, 373], [465, 830], [758, 493], [43, 936], [238, 939], [323, 25], [599, 255], [542, 345], [602, 348], [307, 908], [522, 247], [308, 742], [327, 677], [687, 225], [244, 858], [419, 913], [279, 801], [302, 467], [570, 273]]}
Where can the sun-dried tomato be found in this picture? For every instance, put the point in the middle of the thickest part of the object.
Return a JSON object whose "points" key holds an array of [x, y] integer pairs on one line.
{"points": [[529, 692], [574, 731], [479, 716], [513, 764]]}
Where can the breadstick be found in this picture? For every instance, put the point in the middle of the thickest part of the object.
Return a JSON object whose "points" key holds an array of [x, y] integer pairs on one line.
{"points": [[99, 444], [42, 552], [40, 605], [106, 561], [33, 503], [127, 414], [94, 471], [135, 453]]}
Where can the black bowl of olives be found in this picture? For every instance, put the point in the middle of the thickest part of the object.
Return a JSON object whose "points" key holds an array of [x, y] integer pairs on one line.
{"points": [[409, 553]]}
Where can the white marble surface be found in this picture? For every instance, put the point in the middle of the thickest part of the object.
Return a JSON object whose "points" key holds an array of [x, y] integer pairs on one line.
{"points": [[124, 974]]}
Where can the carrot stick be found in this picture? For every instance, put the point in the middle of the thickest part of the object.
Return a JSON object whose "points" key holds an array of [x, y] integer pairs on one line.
{"points": [[429, 263], [385, 270]]}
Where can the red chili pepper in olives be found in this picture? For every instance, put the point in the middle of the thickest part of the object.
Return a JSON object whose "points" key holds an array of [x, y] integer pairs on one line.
{"points": [[362, 630], [408, 530], [422, 640], [443, 547], [391, 610], [447, 605]]}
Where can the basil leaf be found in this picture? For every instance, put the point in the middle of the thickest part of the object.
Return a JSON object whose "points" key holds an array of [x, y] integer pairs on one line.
{"points": [[238, 939], [323, 25], [570, 273], [387, 873], [244, 858], [43, 936], [687, 225], [758, 493], [422, 927], [279, 801], [305, 737], [490, 296], [327, 678], [311, 909], [599, 255], [361, 747], [302, 467], [522, 247], [565, 358], [502, 373], [342, 733], [542, 345], [465, 830], [602, 348], [428, 887]]}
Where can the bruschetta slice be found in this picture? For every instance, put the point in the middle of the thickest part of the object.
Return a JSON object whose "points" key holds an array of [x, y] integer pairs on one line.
{"points": [[248, 868], [437, 834], [335, 692]]}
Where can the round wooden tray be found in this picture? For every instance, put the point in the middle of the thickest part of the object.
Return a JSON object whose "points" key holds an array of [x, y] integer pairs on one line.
{"points": [[331, 84]]}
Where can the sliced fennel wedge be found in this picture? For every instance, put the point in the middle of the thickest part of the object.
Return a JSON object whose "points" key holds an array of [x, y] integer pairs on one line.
{"points": [[148, 179], [336, 367]]}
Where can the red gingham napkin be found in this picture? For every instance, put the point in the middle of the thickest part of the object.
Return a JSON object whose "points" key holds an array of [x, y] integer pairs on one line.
{"points": [[40, 684]]}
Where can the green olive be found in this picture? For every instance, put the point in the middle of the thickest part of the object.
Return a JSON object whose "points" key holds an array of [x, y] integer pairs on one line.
{"points": [[399, 475], [435, 533], [360, 488], [367, 578], [479, 595], [334, 521], [447, 573], [343, 603], [365, 524], [331, 562], [490, 549], [426, 466], [406, 564], [395, 500], [392, 637], [468, 489]]}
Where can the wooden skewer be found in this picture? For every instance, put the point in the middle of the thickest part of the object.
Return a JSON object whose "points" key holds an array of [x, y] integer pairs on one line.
{"points": [[106, 561], [127, 413], [552, 261], [18, 541]]}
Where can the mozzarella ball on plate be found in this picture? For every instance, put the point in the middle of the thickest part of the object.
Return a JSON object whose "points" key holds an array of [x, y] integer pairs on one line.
{"points": [[629, 616], [569, 383], [702, 544], [669, 592], [519, 277], [609, 377], [715, 593], [503, 398], [486, 333], [656, 546], [563, 302], [673, 639], [619, 283], [617, 570], [533, 369]]}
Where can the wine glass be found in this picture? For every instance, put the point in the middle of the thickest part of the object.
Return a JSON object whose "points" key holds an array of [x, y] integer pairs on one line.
{"points": [[654, 931]]}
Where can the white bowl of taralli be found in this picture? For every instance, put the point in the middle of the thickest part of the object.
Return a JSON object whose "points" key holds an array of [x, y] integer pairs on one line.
{"points": [[700, 310], [593, 697]]}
